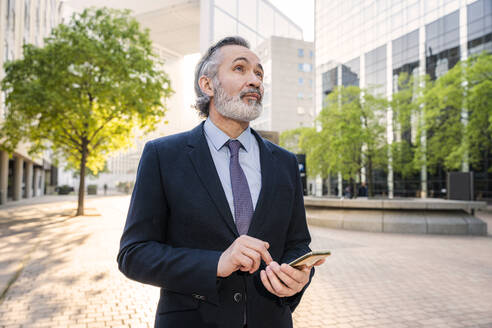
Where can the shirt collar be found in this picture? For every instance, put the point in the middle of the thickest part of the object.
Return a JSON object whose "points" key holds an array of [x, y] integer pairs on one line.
{"points": [[219, 138]]}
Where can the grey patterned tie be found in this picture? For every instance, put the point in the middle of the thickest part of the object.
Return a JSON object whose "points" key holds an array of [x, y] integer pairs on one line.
{"points": [[243, 205]]}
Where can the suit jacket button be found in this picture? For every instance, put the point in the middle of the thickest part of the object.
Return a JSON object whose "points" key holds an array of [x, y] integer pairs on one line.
{"points": [[238, 297], [198, 297]]}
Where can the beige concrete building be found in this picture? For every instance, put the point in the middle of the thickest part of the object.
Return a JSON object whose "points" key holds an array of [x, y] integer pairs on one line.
{"points": [[24, 21], [289, 84], [180, 31]]}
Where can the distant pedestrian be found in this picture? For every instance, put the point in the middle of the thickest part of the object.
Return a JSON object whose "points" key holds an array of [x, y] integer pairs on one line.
{"points": [[347, 192], [362, 190], [105, 189]]}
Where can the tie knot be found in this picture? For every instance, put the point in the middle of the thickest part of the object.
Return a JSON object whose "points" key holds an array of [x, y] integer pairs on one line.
{"points": [[234, 146]]}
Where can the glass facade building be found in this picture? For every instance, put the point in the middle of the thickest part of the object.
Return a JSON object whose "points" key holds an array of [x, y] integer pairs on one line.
{"points": [[369, 43], [255, 20]]}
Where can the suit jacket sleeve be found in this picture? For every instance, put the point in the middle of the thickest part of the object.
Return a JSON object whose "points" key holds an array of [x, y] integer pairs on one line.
{"points": [[298, 237], [144, 255]]}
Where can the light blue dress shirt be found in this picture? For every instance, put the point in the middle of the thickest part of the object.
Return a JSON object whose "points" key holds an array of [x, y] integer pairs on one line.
{"points": [[249, 159]]}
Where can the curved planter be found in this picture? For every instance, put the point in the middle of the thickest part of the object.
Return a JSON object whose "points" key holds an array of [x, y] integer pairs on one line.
{"points": [[419, 216]]}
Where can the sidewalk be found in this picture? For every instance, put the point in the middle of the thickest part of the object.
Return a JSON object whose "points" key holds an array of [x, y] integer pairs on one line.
{"points": [[67, 275], [68, 271], [24, 220]]}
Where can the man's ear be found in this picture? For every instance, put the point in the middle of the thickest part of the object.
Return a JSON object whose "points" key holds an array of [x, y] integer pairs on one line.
{"points": [[206, 86]]}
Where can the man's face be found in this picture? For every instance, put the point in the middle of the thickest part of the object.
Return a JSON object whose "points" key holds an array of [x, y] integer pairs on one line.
{"points": [[238, 86]]}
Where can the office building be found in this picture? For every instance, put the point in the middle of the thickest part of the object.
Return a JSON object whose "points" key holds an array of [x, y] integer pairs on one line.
{"points": [[180, 31], [369, 43], [288, 101], [24, 21]]}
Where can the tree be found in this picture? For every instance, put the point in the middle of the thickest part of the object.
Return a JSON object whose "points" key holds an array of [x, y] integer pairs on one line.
{"points": [[374, 150], [405, 104], [352, 133], [84, 92], [351, 136], [289, 139], [458, 117], [479, 97], [310, 142], [313, 144]]}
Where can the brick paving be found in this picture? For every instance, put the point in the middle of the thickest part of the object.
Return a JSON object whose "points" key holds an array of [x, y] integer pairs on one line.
{"points": [[68, 275]]}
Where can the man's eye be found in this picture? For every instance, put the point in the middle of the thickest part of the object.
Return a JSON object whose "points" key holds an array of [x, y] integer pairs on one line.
{"points": [[259, 74], [238, 68]]}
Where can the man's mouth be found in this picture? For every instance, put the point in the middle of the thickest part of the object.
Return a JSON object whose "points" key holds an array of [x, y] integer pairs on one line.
{"points": [[252, 96]]}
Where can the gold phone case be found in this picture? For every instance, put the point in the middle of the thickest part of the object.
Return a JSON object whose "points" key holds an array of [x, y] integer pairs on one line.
{"points": [[310, 258]]}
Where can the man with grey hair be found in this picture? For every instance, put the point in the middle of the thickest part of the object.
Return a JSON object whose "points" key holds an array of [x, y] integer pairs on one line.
{"points": [[217, 212]]}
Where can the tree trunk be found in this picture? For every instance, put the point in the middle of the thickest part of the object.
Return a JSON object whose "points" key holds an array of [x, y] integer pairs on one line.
{"points": [[370, 184], [354, 186], [83, 162]]}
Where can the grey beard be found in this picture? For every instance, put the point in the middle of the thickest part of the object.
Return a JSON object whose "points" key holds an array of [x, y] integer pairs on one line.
{"points": [[234, 107]]}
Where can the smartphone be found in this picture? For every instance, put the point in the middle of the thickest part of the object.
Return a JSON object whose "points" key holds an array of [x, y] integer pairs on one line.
{"points": [[309, 258]]}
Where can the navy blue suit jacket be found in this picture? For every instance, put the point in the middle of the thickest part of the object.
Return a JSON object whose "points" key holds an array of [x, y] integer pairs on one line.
{"points": [[179, 223]]}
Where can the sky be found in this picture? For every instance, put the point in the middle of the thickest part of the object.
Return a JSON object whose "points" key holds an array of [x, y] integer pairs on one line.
{"points": [[300, 12]]}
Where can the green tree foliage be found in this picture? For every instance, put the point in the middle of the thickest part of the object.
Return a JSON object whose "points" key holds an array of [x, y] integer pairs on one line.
{"points": [[308, 141], [458, 115], [311, 142], [82, 94], [479, 99], [351, 135], [406, 106], [290, 139]]}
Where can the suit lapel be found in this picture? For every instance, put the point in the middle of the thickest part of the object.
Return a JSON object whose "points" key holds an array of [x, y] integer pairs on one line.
{"points": [[268, 180], [205, 168]]}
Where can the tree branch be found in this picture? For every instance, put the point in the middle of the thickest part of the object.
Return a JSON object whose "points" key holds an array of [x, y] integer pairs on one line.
{"points": [[70, 137], [110, 117], [97, 144]]}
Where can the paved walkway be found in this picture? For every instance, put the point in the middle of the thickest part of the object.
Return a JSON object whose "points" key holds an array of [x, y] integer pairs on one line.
{"points": [[68, 277]]}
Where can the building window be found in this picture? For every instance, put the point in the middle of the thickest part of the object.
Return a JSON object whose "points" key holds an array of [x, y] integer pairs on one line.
{"points": [[376, 70], [301, 81], [300, 52], [479, 26], [442, 44], [351, 72], [405, 52], [311, 54], [303, 67], [301, 110], [300, 96]]}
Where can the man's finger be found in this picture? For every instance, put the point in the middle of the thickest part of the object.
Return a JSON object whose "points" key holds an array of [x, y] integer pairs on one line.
{"points": [[277, 285], [244, 262], [250, 240], [259, 246], [266, 282], [297, 274], [254, 256], [285, 278]]}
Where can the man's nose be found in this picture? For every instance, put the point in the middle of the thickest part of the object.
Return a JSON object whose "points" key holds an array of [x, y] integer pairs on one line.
{"points": [[254, 80]]}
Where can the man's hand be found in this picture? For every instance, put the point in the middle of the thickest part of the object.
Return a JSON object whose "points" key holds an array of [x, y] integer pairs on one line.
{"points": [[244, 254], [284, 280]]}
